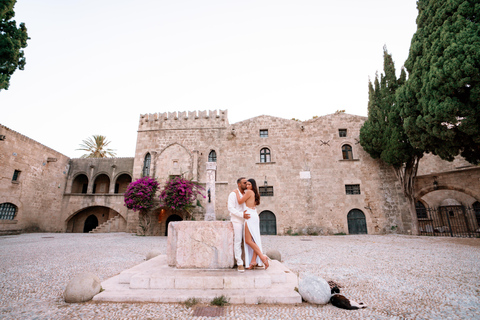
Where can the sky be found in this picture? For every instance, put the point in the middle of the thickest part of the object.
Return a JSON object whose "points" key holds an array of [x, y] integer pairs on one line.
{"points": [[94, 66]]}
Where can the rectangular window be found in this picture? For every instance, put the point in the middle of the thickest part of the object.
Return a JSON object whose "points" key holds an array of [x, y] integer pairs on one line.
{"points": [[16, 175], [266, 191], [263, 133], [342, 133], [352, 188]]}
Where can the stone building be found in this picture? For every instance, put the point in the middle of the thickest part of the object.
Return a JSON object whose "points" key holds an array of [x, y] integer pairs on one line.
{"points": [[314, 177]]}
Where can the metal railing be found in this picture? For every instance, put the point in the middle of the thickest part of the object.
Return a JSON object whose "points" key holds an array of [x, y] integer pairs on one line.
{"points": [[449, 221]]}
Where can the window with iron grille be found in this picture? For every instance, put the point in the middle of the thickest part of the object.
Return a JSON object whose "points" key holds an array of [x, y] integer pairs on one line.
{"points": [[352, 188], [146, 165], [421, 210], [263, 133], [266, 191], [7, 211], [342, 133], [347, 152], [265, 155], [16, 175], [212, 156]]}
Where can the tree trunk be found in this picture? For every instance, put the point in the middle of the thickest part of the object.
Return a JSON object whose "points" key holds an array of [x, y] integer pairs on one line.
{"points": [[407, 174], [144, 222]]}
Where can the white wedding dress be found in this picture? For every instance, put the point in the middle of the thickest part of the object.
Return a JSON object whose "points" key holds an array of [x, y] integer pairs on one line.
{"points": [[254, 228]]}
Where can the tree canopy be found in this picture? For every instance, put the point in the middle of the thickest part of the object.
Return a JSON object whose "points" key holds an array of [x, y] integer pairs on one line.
{"points": [[96, 146], [440, 101], [12, 42]]}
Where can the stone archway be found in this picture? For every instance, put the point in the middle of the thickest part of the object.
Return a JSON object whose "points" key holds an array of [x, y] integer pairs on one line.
{"points": [[268, 223], [173, 217], [90, 223], [356, 222], [76, 222]]}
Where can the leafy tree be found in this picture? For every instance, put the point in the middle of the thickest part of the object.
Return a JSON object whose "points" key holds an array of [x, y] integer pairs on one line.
{"points": [[440, 102], [383, 136], [96, 146], [12, 42]]}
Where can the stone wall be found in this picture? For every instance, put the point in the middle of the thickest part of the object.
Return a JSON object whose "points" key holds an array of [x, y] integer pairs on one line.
{"points": [[38, 191]]}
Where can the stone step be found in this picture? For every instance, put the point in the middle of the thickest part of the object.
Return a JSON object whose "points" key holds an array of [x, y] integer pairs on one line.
{"points": [[111, 225], [155, 281]]}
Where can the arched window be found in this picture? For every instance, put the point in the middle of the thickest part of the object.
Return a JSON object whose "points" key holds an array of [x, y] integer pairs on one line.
{"points": [[421, 210], [7, 211], [146, 165], [80, 184], [122, 183], [101, 184], [347, 152], [265, 155], [212, 156]]}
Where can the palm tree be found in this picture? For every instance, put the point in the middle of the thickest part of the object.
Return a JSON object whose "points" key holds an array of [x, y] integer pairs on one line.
{"points": [[96, 146]]}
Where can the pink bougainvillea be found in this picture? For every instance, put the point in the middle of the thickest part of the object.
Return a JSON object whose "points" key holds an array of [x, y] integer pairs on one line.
{"points": [[140, 194], [180, 194]]}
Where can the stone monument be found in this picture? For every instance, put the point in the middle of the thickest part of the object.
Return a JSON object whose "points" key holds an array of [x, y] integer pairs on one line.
{"points": [[200, 245]]}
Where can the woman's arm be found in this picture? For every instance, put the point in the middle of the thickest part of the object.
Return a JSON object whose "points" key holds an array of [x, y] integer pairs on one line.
{"points": [[246, 196]]}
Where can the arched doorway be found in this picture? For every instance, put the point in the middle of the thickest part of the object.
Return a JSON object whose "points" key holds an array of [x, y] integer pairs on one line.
{"points": [[173, 217], [356, 222], [268, 223], [90, 223]]}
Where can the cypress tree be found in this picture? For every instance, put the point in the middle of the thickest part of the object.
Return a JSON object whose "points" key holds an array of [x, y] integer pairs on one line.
{"points": [[383, 136], [440, 102]]}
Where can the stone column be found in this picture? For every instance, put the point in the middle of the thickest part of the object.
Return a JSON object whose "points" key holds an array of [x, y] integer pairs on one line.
{"points": [[195, 165], [210, 190]]}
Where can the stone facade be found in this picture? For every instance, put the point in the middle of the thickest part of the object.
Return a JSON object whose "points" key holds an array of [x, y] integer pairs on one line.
{"points": [[307, 170], [95, 187], [315, 176]]}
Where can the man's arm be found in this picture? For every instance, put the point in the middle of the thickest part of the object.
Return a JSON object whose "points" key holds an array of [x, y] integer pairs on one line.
{"points": [[232, 201]]}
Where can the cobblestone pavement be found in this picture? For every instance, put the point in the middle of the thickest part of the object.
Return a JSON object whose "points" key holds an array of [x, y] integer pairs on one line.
{"points": [[398, 277]]}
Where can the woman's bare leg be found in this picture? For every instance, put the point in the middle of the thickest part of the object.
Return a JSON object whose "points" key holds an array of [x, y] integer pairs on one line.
{"points": [[253, 245]]}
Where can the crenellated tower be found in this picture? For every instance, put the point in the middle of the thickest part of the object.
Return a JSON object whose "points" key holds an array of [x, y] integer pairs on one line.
{"points": [[183, 120]]}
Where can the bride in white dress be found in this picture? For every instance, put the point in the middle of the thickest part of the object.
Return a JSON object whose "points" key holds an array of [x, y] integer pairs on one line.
{"points": [[252, 240]]}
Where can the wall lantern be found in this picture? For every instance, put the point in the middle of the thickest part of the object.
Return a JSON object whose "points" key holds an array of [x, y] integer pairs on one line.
{"points": [[435, 183], [161, 215], [209, 196], [265, 183]]}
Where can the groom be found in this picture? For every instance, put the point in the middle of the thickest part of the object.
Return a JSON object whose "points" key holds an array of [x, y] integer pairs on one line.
{"points": [[237, 216]]}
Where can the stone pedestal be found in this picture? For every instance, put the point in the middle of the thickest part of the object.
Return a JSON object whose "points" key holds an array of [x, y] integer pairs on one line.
{"points": [[200, 245]]}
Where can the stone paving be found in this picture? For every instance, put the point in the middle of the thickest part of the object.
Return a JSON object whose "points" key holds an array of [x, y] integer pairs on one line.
{"points": [[398, 277]]}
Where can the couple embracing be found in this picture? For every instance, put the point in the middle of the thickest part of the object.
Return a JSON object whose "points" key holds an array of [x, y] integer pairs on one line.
{"points": [[242, 204]]}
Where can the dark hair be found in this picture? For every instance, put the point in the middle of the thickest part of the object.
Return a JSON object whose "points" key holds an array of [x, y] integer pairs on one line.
{"points": [[255, 191], [240, 179]]}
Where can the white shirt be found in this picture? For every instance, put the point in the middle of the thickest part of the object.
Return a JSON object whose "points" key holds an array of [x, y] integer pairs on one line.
{"points": [[236, 210]]}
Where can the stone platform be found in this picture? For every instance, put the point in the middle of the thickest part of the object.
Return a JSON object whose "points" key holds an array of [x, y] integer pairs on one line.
{"points": [[155, 281]]}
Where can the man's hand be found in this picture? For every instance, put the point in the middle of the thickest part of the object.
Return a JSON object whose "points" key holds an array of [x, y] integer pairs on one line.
{"points": [[246, 215]]}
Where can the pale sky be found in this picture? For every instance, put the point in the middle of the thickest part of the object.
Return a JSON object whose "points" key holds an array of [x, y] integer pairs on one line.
{"points": [[93, 66]]}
